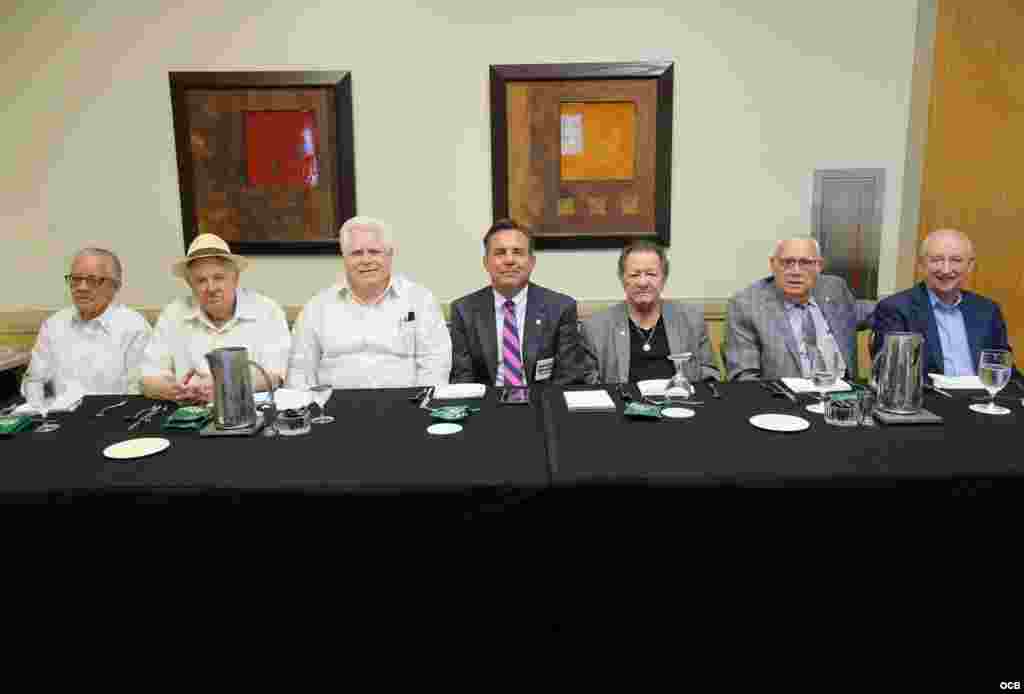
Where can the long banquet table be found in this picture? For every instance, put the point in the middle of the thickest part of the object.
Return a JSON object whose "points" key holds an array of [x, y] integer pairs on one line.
{"points": [[379, 443]]}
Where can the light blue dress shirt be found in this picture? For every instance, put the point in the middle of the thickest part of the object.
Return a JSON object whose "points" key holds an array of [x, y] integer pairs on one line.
{"points": [[956, 350]]}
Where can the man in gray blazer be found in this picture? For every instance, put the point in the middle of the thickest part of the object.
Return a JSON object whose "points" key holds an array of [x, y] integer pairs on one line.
{"points": [[769, 322], [644, 328]]}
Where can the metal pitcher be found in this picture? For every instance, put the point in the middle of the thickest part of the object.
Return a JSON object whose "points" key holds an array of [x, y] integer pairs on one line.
{"points": [[233, 406], [897, 375]]}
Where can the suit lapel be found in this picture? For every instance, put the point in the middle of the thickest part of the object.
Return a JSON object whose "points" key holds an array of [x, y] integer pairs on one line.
{"points": [[620, 335], [973, 326], [923, 321], [486, 316], [532, 331], [772, 306]]}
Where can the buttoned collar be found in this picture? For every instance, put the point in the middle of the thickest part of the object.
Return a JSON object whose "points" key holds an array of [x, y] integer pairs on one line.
{"points": [[394, 289], [518, 299], [935, 300], [244, 309], [103, 320]]}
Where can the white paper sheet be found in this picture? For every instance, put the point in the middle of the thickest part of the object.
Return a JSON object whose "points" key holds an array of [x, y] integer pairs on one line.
{"points": [[806, 385], [956, 382], [588, 400]]}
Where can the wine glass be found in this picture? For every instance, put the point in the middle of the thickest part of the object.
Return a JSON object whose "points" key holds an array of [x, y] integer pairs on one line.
{"points": [[321, 394], [679, 386], [994, 368], [40, 392]]}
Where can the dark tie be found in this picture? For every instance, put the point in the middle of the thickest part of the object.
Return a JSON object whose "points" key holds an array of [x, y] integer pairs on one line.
{"points": [[810, 336], [512, 359]]}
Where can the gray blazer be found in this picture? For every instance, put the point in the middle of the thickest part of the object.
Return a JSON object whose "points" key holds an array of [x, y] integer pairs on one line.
{"points": [[759, 342], [606, 340]]}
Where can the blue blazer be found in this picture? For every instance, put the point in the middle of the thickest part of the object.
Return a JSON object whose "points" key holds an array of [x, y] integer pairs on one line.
{"points": [[911, 311]]}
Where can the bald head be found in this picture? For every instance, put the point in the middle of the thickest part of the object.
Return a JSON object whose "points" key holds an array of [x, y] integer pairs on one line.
{"points": [[946, 258]]}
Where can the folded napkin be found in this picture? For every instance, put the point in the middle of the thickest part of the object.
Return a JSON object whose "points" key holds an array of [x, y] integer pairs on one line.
{"points": [[12, 424], [806, 385], [68, 401], [191, 418], [956, 382], [654, 386], [459, 391], [589, 401], [292, 399]]}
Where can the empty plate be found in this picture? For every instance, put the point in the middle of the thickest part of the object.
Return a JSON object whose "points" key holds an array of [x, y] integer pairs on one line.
{"points": [[779, 422], [677, 412], [135, 448], [443, 428]]}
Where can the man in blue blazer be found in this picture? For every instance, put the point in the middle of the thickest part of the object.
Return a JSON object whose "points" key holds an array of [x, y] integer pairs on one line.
{"points": [[956, 324], [515, 332]]}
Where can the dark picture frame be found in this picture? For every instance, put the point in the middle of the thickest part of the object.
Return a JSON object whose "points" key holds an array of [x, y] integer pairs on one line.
{"points": [[335, 153], [577, 234]]}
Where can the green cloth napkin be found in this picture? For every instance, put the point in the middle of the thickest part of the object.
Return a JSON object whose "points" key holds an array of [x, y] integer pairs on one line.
{"points": [[453, 413], [191, 418], [642, 409], [12, 424]]}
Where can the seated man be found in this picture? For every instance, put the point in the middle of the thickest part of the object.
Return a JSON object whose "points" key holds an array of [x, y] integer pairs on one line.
{"points": [[771, 322], [97, 345], [217, 314], [955, 323], [514, 332], [373, 329], [631, 341]]}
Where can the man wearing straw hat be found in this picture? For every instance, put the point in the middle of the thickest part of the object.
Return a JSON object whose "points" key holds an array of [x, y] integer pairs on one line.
{"points": [[217, 314]]}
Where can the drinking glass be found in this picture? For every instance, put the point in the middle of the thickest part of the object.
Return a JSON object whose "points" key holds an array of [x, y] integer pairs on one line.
{"points": [[994, 369], [321, 394], [40, 392], [680, 387]]}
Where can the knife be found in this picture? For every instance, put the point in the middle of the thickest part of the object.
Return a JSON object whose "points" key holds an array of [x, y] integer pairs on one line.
{"points": [[940, 391], [782, 389]]}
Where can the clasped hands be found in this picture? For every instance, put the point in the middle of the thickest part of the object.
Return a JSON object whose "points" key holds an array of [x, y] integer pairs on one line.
{"points": [[195, 387]]}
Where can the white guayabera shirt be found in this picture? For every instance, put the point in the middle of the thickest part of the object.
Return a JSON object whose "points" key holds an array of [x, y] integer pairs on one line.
{"points": [[401, 341], [184, 335], [102, 355]]}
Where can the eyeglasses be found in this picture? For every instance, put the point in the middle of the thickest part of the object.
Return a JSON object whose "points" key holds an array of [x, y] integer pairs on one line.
{"points": [[804, 263], [954, 261], [90, 281]]}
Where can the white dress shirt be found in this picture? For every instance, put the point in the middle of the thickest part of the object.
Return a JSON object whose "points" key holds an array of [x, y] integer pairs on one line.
{"points": [[499, 319], [184, 334], [102, 355], [400, 341]]}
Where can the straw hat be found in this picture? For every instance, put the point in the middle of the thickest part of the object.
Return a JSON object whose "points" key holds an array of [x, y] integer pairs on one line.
{"points": [[207, 246]]}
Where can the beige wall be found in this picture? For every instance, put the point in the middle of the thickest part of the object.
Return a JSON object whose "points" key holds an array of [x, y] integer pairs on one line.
{"points": [[765, 92]]}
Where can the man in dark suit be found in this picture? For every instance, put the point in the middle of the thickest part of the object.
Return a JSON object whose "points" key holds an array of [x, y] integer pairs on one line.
{"points": [[515, 332], [956, 324]]}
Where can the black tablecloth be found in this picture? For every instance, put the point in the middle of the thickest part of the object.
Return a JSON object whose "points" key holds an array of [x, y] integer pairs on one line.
{"points": [[378, 441], [720, 446]]}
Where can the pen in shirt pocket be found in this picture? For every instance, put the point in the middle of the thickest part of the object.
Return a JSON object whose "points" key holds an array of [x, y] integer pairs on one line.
{"points": [[408, 318]]}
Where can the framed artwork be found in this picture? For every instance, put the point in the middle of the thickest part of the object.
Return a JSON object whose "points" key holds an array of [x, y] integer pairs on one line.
{"points": [[581, 153], [265, 159]]}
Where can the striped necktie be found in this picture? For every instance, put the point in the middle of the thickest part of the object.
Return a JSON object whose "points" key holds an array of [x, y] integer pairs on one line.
{"points": [[512, 359]]}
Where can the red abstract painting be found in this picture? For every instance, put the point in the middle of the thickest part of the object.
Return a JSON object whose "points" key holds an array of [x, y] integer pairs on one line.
{"points": [[282, 148]]}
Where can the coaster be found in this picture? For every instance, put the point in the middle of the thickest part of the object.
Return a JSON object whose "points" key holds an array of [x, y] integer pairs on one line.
{"points": [[444, 428], [677, 412]]}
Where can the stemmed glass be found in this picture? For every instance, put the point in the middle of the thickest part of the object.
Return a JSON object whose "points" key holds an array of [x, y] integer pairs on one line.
{"points": [[679, 386], [40, 392], [994, 369], [321, 394], [824, 367]]}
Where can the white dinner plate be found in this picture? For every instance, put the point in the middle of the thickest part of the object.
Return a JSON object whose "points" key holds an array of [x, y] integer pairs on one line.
{"points": [[443, 428], [779, 422], [677, 412], [135, 448], [816, 408]]}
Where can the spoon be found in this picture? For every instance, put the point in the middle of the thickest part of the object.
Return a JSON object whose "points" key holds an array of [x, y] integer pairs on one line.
{"points": [[110, 407]]}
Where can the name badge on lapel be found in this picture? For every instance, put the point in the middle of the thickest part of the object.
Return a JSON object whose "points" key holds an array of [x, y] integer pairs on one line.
{"points": [[544, 369]]}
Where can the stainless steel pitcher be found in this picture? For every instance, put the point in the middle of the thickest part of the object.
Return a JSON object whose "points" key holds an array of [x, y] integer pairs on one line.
{"points": [[897, 375], [233, 406]]}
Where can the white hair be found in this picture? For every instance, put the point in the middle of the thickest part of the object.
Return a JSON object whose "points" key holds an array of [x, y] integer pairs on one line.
{"points": [[778, 244], [375, 226], [92, 251], [955, 233]]}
